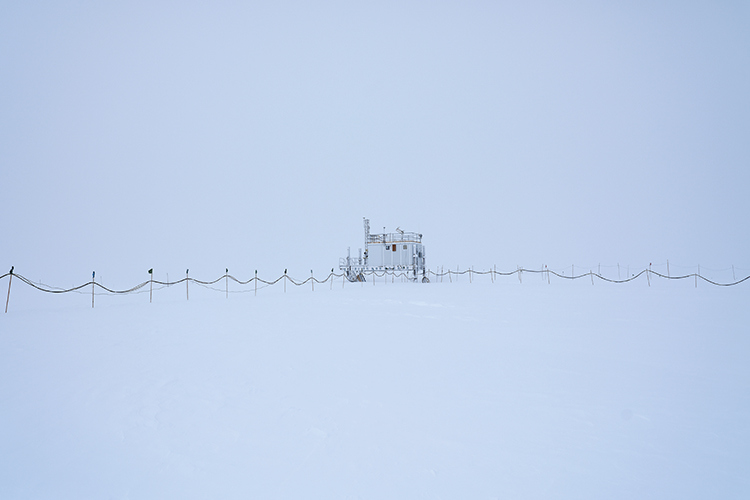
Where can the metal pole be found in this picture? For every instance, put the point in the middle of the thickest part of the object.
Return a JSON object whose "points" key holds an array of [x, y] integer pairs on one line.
{"points": [[151, 284], [312, 280], [10, 280], [256, 282], [331, 276], [284, 280], [93, 275], [187, 283]]}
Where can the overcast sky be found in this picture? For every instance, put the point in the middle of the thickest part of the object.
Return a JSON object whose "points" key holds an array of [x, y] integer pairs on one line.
{"points": [[199, 135]]}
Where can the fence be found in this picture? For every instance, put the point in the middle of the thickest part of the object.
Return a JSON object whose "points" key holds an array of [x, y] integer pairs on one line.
{"points": [[439, 276]]}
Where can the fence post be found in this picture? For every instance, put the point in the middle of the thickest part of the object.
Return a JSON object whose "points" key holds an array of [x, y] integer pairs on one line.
{"points": [[93, 276], [591, 273], [226, 280], [151, 284], [284, 280], [648, 274], [256, 282], [668, 275], [10, 280], [187, 283], [331, 278], [312, 280]]}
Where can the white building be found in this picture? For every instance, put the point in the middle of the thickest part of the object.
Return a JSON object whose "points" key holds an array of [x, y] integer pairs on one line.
{"points": [[394, 252]]}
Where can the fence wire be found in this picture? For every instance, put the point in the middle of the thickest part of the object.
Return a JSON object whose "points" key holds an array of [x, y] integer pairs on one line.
{"points": [[440, 275]]}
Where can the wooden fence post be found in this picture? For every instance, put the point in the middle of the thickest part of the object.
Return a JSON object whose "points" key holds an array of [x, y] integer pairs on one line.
{"points": [[10, 280]]}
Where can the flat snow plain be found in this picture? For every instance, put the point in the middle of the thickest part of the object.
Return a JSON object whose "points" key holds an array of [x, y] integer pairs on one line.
{"points": [[398, 390]]}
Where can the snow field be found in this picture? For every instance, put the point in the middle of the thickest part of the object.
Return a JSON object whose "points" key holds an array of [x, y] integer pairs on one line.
{"points": [[400, 391]]}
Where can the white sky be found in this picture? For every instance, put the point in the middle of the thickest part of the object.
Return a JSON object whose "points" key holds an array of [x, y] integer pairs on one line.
{"points": [[174, 136]]}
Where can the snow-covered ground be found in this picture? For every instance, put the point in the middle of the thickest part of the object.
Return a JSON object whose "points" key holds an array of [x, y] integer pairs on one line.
{"points": [[444, 390]]}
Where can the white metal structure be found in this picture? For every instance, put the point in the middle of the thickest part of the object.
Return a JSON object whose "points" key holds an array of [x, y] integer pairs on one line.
{"points": [[400, 251]]}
